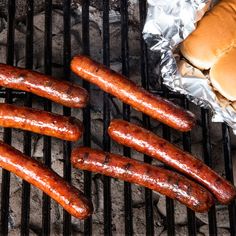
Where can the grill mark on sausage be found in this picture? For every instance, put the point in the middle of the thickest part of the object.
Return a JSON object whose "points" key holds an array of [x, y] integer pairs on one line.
{"points": [[146, 142], [128, 92], [44, 178], [158, 179], [107, 159], [127, 166], [189, 189], [41, 122], [43, 85], [86, 156]]}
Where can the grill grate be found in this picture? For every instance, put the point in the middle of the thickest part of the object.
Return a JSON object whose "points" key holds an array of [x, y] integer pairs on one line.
{"points": [[9, 95]]}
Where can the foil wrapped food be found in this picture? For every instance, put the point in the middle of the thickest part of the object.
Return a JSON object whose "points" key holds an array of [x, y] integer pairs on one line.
{"points": [[168, 23]]}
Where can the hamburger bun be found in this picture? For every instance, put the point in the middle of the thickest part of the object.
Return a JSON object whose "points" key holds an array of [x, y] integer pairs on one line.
{"points": [[223, 75], [214, 36]]}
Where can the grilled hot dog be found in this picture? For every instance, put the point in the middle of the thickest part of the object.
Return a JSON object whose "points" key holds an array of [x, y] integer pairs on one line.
{"points": [[32, 171], [150, 144], [62, 92], [41, 122], [164, 181], [128, 92]]}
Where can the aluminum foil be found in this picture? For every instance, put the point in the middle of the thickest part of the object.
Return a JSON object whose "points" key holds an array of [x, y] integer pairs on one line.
{"points": [[168, 23]]}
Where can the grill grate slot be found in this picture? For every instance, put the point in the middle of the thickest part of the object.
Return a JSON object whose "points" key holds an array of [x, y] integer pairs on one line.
{"points": [[192, 230], [146, 120], [26, 189], [46, 208], [66, 110], [229, 175], [126, 111], [208, 160], [106, 120], [192, 222]]}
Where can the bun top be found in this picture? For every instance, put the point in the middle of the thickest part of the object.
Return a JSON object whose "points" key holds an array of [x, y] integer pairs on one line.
{"points": [[213, 45], [215, 34], [223, 75]]}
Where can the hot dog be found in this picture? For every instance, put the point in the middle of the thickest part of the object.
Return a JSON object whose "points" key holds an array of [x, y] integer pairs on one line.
{"points": [[41, 122], [150, 144], [128, 92], [164, 181], [32, 171], [62, 92]]}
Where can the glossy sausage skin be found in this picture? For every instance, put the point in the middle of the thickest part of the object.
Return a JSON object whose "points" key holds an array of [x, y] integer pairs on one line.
{"points": [[62, 92], [150, 144], [164, 181], [41, 122], [32, 171], [128, 92]]}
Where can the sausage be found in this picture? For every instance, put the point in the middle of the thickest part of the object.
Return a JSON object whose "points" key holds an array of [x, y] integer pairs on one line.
{"points": [[128, 92], [34, 172], [41, 122], [164, 181], [62, 92], [150, 144]]}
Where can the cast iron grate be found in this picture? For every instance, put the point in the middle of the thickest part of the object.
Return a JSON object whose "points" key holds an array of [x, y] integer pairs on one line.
{"points": [[9, 95]]}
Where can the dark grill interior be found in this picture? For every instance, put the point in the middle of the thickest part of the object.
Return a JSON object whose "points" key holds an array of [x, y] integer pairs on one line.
{"points": [[167, 132]]}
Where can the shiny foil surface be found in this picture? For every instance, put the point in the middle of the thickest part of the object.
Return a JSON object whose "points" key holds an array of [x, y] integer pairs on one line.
{"points": [[168, 23]]}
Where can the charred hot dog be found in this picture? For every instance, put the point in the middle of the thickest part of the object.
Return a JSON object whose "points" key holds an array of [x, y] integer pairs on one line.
{"points": [[150, 144], [41, 122], [62, 92], [128, 92], [164, 181], [32, 171]]}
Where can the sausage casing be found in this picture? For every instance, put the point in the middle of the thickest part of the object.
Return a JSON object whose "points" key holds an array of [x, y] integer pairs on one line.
{"points": [[32, 171], [128, 92], [150, 144], [62, 92], [164, 181], [41, 122]]}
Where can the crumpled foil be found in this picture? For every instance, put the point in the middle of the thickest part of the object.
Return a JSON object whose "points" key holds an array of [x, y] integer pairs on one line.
{"points": [[168, 23]]}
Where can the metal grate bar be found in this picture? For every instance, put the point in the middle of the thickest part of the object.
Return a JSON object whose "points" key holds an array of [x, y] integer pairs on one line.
{"points": [[21, 94], [5, 188], [192, 227], [126, 111], [66, 110], [208, 160], [25, 205], [15, 94], [86, 111], [170, 210], [48, 107], [229, 175], [106, 120], [146, 120]]}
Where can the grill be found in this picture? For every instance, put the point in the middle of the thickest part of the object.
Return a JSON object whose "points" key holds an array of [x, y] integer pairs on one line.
{"points": [[208, 153]]}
